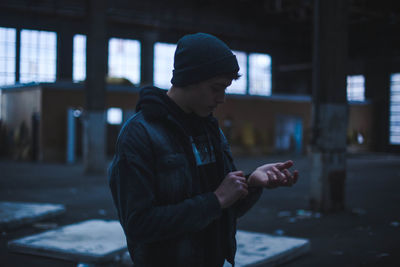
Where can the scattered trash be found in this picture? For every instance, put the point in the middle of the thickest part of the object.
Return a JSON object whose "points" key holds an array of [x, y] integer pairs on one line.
{"points": [[358, 211], [337, 252], [279, 232], [381, 255], [395, 224], [45, 226], [284, 213], [302, 214], [102, 212], [317, 215]]}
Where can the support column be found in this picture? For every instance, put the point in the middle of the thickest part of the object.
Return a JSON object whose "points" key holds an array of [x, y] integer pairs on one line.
{"points": [[377, 89], [18, 55], [330, 111], [147, 59], [65, 49], [94, 146]]}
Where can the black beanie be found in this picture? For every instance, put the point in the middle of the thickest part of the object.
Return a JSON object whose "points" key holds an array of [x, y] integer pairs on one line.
{"points": [[201, 56]]}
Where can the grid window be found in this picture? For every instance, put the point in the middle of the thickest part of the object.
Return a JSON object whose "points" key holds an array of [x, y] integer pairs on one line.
{"points": [[38, 56], [163, 64], [124, 59], [7, 55], [355, 88], [259, 74], [79, 58], [114, 116], [239, 86], [395, 109]]}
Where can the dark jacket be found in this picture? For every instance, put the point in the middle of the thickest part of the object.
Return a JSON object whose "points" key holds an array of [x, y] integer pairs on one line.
{"points": [[151, 179]]}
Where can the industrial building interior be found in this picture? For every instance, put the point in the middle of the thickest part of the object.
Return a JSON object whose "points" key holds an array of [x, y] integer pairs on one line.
{"points": [[320, 84]]}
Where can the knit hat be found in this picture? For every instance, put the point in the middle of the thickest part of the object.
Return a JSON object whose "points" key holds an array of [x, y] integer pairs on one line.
{"points": [[201, 56]]}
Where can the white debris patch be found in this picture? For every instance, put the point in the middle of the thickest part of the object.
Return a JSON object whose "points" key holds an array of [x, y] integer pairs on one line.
{"points": [[16, 214]]}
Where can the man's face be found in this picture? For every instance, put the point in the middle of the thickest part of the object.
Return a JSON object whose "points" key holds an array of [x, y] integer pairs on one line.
{"points": [[203, 98]]}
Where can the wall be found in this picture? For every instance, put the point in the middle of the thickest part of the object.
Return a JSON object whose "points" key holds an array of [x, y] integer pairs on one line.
{"points": [[56, 102], [18, 106], [253, 119]]}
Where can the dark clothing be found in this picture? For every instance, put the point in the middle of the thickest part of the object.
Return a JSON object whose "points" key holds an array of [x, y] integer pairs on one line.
{"points": [[166, 167]]}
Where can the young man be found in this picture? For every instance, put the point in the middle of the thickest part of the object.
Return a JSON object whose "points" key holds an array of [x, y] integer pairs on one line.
{"points": [[173, 180]]}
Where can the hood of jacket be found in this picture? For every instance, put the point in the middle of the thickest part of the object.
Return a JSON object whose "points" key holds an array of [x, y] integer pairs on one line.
{"points": [[157, 105]]}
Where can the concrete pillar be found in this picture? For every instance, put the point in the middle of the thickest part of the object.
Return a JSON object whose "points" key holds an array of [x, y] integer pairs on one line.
{"points": [[377, 90], [64, 54], [330, 109], [17, 54], [147, 58], [94, 146]]}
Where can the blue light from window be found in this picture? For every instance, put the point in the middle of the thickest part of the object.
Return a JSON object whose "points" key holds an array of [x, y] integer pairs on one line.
{"points": [[79, 58], [239, 86], [124, 59], [7, 55], [395, 109], [260, 74], [38, 56], [114, 116], [355, 88], [163, 64]]}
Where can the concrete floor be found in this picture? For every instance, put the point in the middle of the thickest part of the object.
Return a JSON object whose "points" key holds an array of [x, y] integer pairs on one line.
{"points": [[367, 233]]}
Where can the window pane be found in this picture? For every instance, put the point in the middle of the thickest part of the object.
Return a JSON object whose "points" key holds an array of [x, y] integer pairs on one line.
{"points": [[239, 86], [394, 116], [7, 55], [355, 88], [79, 58], [163, 64], [114, 116], [124, 59], [260, 74], [38, 56]]}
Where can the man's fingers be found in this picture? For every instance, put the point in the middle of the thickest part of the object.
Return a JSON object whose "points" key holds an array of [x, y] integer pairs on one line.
{"points": [[278, 173], [284, 165], [272, 176], [242, 182], [295, 176], [289, 178], [240, 178], [238, 173]]}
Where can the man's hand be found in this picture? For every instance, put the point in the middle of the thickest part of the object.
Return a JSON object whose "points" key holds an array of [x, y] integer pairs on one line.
{"points": [[273, 175], [232, 188]]}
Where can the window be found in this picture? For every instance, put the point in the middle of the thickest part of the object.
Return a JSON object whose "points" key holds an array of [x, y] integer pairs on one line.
{"points": [[124, 59], [395, 109], [355, 88], [239, 86], [7, 55], [79, 58], [259, 74], [38, 56], [114, 116], [163, 64]]}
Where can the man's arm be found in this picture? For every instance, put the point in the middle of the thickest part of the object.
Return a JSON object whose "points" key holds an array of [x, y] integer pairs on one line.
{"points": [[143, 220]]}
